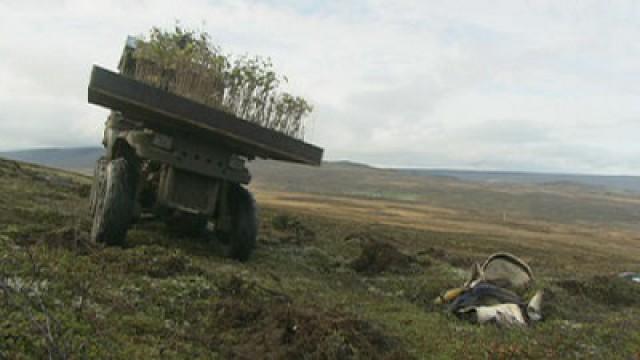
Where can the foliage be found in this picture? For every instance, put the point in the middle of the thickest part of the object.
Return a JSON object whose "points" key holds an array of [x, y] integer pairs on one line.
{"points": [[187, 63]]}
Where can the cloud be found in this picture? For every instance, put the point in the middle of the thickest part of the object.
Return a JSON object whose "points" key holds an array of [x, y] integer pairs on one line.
{"points": [[542, 85]]}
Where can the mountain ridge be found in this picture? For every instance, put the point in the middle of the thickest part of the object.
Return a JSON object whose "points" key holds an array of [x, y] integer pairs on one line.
{"points": [[83, 158]]}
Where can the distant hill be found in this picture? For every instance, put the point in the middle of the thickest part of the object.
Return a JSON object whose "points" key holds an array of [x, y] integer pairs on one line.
{"points": [[547, 197], [624, 183], [82, 158], [347, 176]]}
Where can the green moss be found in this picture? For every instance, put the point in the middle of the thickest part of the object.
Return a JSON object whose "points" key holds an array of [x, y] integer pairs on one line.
{"points": [[170, 297]]}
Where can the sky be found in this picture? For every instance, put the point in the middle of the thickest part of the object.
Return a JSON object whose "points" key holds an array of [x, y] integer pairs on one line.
{"points": [[549, 86]]}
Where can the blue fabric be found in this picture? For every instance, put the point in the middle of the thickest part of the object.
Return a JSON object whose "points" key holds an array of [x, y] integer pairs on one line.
{"points": [[485, 293]]}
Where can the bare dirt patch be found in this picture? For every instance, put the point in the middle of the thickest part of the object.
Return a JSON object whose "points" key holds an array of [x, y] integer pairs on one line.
{"points": [[378, 256], [272, 327]]}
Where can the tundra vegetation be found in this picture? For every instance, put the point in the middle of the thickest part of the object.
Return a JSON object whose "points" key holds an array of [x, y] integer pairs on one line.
{"points": [[333, 277], [187, 63]]}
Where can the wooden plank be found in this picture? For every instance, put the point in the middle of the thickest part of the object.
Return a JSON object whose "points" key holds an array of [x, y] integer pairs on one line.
{"points": [[138, 100]]}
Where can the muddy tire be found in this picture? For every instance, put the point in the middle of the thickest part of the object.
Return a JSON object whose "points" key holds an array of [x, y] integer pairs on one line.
{"points": [[112, 202], [241, 239], [97, 187]]}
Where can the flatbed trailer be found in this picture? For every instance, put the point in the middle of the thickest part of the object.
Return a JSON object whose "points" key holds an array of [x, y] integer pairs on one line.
{"points": [[179, 160], [139, 101]]}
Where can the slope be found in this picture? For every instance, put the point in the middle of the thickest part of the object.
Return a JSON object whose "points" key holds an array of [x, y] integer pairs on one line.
{"points": [[306, 292]]}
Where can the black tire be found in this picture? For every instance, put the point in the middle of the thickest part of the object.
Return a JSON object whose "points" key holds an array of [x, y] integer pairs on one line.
{"points": [[241, 239], [112, 208], [98, 185]]}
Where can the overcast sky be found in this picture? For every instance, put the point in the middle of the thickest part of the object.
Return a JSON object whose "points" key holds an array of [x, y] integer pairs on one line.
{"points": [[506, 85]]}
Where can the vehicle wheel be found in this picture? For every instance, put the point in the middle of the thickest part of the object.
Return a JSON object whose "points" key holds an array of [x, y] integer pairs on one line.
{"points": [[112, 208], [241, 239], [98, 185]]}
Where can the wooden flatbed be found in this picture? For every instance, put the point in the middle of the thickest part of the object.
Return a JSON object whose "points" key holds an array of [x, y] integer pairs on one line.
{"points": [[156, 107]]}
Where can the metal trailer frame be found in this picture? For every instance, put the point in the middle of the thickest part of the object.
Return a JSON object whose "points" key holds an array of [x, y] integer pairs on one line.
{"points": [[183, 159]]}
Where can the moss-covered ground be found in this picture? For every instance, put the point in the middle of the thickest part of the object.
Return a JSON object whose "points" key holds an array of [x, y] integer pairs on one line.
{"points": [[317, 287]]}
